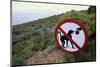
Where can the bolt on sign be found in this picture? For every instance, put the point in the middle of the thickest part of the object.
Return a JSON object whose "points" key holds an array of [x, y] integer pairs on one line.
{"points": [[71, 36]]}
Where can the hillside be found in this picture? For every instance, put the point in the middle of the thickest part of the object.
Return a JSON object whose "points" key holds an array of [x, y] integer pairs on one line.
{"points": [[33, 42]]}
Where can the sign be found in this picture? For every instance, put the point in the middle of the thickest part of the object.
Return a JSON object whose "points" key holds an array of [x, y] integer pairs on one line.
{"points": [[71, 36]]}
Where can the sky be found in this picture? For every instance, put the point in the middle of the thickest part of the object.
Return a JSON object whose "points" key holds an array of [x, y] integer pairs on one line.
{"points": [[23, 12]]}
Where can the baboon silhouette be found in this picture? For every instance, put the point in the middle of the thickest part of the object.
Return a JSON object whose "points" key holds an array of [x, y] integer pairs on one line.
{"points": [[63, 38]]}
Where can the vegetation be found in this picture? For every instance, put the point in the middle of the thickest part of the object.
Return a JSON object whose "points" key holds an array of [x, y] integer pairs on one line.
{"points": [[34, 36]]}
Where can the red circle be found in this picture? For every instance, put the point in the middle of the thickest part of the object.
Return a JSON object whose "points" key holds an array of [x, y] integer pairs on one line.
{"points": [[78, 23]]}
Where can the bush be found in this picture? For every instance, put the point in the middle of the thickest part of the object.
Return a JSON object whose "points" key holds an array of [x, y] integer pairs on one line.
{"points": [[68, 58]]}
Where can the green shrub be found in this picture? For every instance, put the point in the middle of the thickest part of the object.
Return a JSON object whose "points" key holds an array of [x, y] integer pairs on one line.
{"points": [[68, 57], [82, 57]]}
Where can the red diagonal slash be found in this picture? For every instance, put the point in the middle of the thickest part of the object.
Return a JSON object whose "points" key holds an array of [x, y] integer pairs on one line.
{"points": [[69, 38]]}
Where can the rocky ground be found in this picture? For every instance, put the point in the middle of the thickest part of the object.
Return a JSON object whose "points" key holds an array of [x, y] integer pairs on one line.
{"points": [[47, 56]]}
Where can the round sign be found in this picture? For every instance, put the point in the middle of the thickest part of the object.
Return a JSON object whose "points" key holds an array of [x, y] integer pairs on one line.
{"points": [[71, 36]]}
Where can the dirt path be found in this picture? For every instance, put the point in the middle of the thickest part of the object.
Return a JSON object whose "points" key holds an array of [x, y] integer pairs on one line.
{"points": [[47, 56]]}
